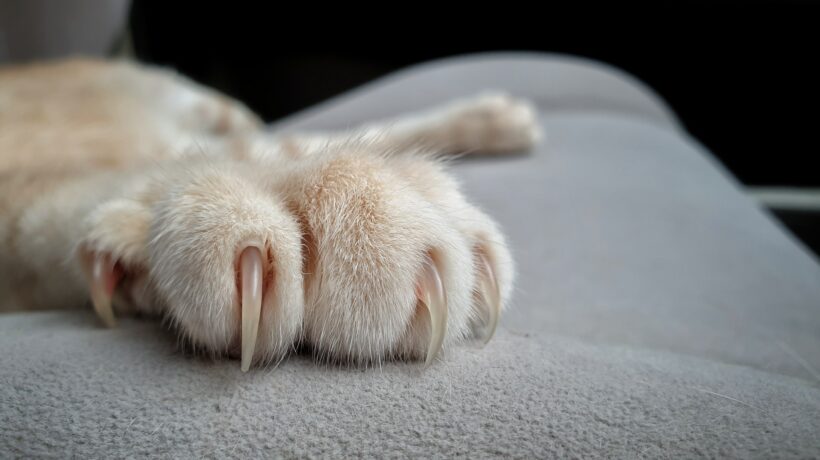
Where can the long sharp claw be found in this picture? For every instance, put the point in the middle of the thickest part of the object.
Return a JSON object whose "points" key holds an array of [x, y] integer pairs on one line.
{"points": [[489, 294], [102, 279], [431, 294], [250, 263]]}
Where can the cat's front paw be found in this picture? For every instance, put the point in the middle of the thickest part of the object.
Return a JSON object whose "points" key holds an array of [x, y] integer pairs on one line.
{"points": [[359, 255]]}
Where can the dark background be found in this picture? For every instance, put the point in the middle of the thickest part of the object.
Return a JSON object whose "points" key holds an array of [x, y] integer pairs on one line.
{"points": [[742, 76]]}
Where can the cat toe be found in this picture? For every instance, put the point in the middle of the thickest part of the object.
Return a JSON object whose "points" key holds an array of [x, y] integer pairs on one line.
{"points": [[212, 250], [226, 260], [401, 267]]}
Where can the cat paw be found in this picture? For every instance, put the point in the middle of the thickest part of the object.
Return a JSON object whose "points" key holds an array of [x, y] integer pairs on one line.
{"points": [[358, 255], [490, 123]]}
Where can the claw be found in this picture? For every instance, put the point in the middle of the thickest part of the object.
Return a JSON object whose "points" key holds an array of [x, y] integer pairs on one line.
{"points": [[430, 292], [250, 266], [489, 295], [102, 277]]}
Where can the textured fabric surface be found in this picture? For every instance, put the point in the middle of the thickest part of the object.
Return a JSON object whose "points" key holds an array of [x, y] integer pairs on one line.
{"points": [[658, 313], [73, 388]]}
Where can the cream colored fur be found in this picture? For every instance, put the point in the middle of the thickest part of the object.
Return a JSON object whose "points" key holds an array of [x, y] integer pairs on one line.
{"points": [[173, 180]]}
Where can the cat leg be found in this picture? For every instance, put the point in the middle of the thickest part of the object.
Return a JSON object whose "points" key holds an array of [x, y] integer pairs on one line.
{"points": [[488, 123], [485, 124]]}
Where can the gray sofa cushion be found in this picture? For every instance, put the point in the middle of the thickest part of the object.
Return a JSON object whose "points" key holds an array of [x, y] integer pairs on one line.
{"points": [[658, 312]]}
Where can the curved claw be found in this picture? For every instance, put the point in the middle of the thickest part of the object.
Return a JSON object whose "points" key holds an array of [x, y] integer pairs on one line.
{"points": [[489, 295], [430, 292], [250, 273], [102, 278]]}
